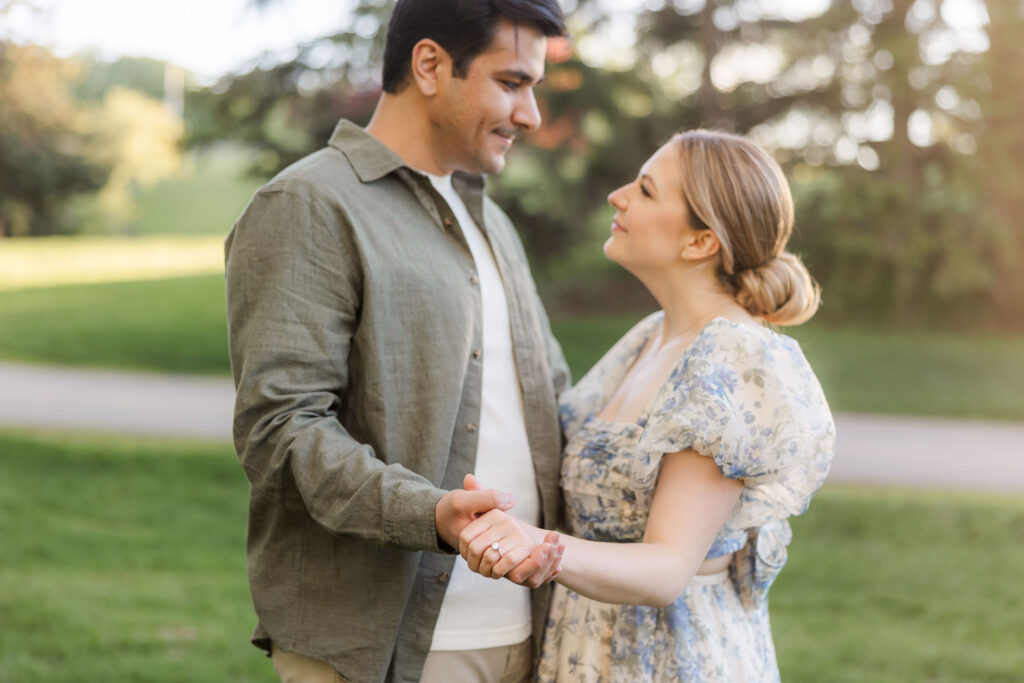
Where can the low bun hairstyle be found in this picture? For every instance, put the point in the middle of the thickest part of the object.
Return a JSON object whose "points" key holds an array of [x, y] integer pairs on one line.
{"points": [[735, 189]]}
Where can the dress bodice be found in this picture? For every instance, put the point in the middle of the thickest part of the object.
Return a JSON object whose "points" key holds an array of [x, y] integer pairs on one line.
{"points": [[744, 396], [741, 394]]}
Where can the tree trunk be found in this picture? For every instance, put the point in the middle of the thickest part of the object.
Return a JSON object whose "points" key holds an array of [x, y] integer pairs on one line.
{"points": [[711, 113]]}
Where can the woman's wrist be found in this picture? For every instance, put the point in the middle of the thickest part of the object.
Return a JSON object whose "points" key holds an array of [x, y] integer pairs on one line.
{"points": [[535, 534]]}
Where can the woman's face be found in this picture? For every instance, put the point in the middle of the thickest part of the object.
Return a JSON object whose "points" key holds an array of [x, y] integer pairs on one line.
{"points": [[651, 224]]}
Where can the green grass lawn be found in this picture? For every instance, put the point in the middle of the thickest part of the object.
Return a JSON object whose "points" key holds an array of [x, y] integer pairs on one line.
{"points": [[177, 325], [172, 325], [123, 560], [205, 201], [900, 586]]}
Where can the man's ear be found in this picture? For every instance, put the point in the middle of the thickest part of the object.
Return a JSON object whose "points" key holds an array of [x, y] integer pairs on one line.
{"points": [[700, 245], [430, 65]]}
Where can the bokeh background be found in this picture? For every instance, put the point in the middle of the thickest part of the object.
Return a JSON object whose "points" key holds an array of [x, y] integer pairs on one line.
{"points": [[132, 135]]}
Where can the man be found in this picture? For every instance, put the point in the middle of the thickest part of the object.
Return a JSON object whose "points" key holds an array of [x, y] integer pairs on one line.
{"points": [[386, 340]]}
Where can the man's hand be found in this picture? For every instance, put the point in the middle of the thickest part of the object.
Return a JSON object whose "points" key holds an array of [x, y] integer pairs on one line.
{"points": [[458, 508], [525, 558]]}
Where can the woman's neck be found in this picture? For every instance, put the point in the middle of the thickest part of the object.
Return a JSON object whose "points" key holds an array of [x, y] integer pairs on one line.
{"points": [[691, 299]]}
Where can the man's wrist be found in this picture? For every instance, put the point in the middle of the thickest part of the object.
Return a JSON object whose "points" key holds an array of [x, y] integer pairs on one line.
{"points": [[442, 514], [443, 546]]}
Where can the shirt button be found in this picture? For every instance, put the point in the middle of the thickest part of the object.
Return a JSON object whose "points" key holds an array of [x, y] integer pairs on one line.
{"points": [[474, 280], [442, 577], [471, 427], [477, 353]]}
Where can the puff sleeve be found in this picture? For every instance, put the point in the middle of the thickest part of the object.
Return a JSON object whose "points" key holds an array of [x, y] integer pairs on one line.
{"points": [[746, 397]]}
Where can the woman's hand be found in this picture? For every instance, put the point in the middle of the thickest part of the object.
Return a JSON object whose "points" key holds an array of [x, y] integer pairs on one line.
{"points": [[524, 554]]}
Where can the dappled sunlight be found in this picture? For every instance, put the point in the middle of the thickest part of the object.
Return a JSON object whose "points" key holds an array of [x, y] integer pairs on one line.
{"points": [[43, 262]]}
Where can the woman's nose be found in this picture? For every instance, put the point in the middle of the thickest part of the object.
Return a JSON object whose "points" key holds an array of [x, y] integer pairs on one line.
{"points": [[617, 198]]}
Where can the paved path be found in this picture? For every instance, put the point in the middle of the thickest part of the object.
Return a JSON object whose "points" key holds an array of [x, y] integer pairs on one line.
{"points": [[115, 401], [873, 449]]}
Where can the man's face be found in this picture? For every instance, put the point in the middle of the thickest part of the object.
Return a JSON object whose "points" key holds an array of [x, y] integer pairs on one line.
{"points": [[475, 118]]}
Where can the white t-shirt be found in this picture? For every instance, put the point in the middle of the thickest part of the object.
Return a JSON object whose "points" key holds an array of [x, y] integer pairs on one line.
{"points": [[480, 613]]}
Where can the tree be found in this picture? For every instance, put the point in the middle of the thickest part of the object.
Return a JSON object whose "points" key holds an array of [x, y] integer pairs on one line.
{"points": [[999, 162], [140, 140], [934, 252], [290, 108], [45, 142], [883, 118], [141, 74]]}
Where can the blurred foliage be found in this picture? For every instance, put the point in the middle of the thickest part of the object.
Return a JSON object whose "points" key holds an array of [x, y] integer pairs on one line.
{"points": [[45, 141], [141, 144], [894, 119], [75, 146], [141, 74], [896, 131], [290, 108], [999, 162]]}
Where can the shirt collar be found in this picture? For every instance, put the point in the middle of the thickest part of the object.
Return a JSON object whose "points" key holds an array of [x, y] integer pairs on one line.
{"points": [[372, 160]]}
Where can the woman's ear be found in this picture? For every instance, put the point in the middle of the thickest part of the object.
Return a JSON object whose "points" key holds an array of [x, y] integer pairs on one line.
{"points": [[700, 245], [429, 61]]}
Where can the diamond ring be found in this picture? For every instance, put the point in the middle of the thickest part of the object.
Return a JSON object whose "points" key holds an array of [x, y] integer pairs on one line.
{"points": [[495, 546]]}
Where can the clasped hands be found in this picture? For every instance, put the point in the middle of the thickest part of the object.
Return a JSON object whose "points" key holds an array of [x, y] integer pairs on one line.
{"points": [[474, 519]]}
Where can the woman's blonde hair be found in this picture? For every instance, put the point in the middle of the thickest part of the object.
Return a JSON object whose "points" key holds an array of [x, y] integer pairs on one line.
{"points": [[735, 189]]}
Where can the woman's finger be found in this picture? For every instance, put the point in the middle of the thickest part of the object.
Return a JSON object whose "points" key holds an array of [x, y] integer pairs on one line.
{"points": [[479, 526], [510, 559]]}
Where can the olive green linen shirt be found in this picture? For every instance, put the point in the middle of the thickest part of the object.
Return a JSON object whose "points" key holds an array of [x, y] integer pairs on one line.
{"points": [[354, 320]]}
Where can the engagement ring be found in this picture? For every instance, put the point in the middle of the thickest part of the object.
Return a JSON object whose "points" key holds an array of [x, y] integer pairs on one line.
{"points": [[495, 546]]}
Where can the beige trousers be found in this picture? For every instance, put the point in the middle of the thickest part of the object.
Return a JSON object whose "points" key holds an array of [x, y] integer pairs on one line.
{"points": [[507, 664], [293, 668]]}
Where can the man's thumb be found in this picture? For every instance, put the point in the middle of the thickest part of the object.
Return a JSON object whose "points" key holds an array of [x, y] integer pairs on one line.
{"points": [[485, 500]]}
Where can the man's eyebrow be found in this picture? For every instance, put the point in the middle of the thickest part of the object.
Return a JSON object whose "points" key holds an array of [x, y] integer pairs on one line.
{"points": [[520, 76]]}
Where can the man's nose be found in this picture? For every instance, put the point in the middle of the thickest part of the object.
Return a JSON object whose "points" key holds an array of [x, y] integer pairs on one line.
{"points": [[526, 114]]}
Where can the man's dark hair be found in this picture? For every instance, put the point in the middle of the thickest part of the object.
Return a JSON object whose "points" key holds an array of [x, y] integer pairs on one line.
{"points": [[464, 28]]}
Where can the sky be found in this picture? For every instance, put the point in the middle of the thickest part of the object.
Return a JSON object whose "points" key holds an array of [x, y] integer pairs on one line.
{"points": [[213, 37], [206, 37]]}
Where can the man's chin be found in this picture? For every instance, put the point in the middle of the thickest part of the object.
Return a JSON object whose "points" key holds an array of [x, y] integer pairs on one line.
{"points": [[496, 166], [483, 165], [492, 164]]}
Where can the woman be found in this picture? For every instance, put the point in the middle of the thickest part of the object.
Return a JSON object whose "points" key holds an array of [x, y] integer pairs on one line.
{"points": [[692, 441]]}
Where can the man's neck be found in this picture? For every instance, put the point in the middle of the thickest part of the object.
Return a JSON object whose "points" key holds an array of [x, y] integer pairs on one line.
{"points": [[403, 128]]}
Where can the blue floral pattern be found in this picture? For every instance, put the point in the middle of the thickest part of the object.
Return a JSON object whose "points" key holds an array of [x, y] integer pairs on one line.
{"points": [[744, 396]]}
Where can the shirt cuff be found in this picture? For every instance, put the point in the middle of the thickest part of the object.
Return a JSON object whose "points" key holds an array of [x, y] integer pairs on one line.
{"points": [[412, 523]]}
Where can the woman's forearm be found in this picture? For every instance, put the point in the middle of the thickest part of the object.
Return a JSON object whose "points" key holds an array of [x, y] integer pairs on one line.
{"points": [[691, 503], [625, 573]]}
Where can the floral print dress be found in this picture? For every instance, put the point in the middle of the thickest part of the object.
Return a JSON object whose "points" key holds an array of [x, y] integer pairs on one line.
{"points": [[743, 395]]}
